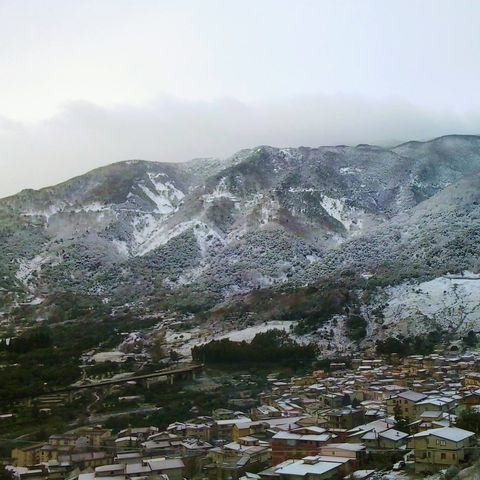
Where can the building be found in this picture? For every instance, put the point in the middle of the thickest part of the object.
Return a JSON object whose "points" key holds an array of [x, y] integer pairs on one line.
{"points": [[404, 404], [354, 451], [439, 448], [299, 443], [235, 459], [472, 380], [24, 456], [156, 468], [315, 468]]}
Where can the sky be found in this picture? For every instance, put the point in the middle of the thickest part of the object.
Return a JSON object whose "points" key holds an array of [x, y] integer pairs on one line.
{"points": [[86, 83]]}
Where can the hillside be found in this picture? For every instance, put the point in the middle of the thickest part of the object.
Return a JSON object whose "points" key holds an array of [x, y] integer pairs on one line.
{"points": [[193, 236]]}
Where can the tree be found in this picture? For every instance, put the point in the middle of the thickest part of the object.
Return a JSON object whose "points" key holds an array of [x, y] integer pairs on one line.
{"points": [[470, 339], [157, 347], [402, 422], [469, 420]]}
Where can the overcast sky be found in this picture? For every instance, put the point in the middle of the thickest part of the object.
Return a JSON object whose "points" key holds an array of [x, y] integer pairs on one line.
{"points": [[88, 82]]}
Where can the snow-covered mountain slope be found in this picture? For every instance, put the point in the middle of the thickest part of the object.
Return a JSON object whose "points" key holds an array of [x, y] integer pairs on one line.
{"points": [[144, 232]]}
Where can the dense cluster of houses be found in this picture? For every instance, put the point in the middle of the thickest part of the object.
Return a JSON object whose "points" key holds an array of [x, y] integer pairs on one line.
{"points": [[346, 423]]}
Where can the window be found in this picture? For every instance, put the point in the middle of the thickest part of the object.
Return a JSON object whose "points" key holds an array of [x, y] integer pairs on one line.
{"points": [[454, 456], [443, 456]]}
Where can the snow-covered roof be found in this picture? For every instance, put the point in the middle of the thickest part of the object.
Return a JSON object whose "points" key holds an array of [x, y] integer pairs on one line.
{"points": [[296, 436], [321, 466], [453, 434], [412, 396], [393, 434]]}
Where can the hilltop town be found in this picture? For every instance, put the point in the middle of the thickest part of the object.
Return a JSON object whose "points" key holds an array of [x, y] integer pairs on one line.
{"points": [[362, 417]]}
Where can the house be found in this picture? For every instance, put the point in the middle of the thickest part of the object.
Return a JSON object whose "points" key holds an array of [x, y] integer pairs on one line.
{"points": [[355, 451], [404, 404], [299, 443], [265, 411], [440, 404], [156, 469], [318, 467], [472, 380], [201, 430], [96, 435], [346, 417], [391, 439], [194, 456], [355, 434], [83, 460], [471, 399], [173, 468], [247, 428], [162, 444], [23, 456], [223, 429], [433, 419], [439, 448], [234, 459]]}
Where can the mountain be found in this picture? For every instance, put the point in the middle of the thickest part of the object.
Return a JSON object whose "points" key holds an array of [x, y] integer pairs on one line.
{"points": [[196, 235]]}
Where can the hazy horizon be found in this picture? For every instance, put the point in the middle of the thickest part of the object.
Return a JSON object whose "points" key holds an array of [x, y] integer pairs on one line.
{"points": [[87, 84]]}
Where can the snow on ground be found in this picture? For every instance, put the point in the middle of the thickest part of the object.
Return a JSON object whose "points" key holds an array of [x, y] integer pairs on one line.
{"points": [[122, 247], [165, 196], [150, 233], [331, 336], [247, 334], [206, 237], [66, 208], [269, 211], [162, 202], [184, 341], [143, 228], [450, 302], [350, 170], [337, 208], [221, 191], [27, 267], [173, 192], [113, 356], [47, 213]]}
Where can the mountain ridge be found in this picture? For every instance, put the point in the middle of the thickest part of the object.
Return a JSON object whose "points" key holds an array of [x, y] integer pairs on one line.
{"points": [[208, 230]]}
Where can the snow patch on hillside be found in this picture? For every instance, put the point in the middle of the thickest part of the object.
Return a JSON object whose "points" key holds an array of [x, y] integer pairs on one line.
{"points": [[150, 233], [27, 268], [220, 191], [450, 302], [143, 228], [47, 213], [269, 211], [122, 247], [155, 234], [184, 342], [165, 195], [248, 334], [349, 170], [206, 237], [338, 209]]}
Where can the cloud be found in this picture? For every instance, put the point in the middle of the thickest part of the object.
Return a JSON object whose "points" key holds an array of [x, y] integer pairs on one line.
{"points": [[84, 136]]}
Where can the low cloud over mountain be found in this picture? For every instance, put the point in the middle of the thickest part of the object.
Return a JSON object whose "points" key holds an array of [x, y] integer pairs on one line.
{"points": [[84, 136]]}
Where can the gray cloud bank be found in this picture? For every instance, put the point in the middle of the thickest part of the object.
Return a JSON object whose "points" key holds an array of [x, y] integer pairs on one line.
{"points": [[84, 136]]}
